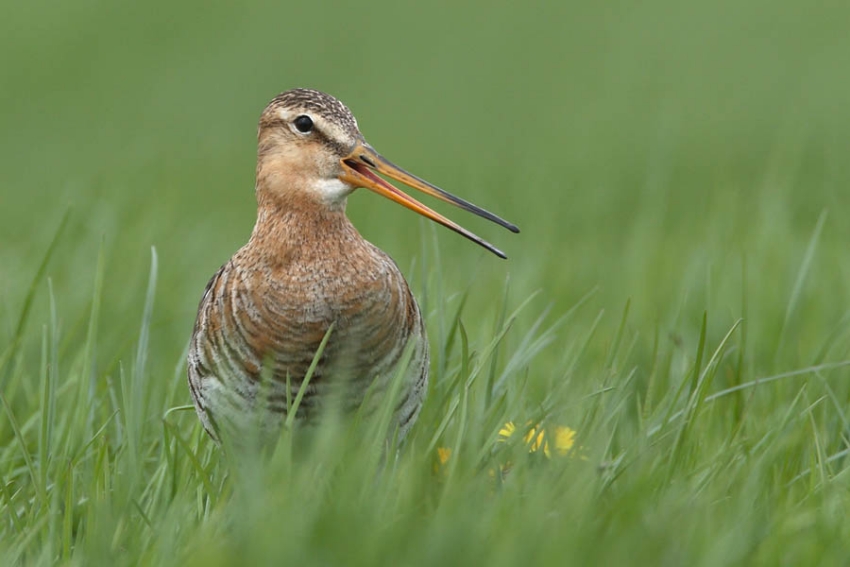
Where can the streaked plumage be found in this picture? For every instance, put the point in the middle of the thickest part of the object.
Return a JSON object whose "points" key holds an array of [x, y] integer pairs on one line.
{"points": [[305, 268]]}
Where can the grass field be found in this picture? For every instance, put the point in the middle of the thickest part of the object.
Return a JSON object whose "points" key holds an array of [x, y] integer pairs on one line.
{"points": [[679, 296]]}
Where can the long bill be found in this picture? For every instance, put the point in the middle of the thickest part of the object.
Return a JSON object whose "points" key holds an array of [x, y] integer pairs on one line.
{"points": [[357, 171]]}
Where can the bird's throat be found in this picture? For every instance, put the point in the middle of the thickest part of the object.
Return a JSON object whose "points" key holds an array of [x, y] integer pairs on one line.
{"points": [[299, 225]]}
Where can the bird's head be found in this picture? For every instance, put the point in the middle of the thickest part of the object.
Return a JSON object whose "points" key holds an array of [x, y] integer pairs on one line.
{"points": [[309, 143]]}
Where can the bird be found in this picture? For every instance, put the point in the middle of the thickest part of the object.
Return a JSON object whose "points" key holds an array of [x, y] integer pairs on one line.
{"points": [[307, 275]]}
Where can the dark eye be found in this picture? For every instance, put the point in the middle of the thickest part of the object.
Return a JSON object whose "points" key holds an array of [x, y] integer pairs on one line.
{"points": [[304, 123]]}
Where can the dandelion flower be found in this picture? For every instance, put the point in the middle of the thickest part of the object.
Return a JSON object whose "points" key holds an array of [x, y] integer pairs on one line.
{"points": [[537, 439], [565, 439], [506, 431]]}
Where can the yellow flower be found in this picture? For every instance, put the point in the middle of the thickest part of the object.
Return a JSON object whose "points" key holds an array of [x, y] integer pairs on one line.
{"points": [[565, 438], [537, 439], [443, 456], [507, 430]]}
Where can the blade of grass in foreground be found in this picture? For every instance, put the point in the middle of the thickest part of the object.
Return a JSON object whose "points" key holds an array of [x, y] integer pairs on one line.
{"points": [[133, 389], [292, 411], [22, 444], [50, 358], [700, 389], [25, 311], [753, 384], [90, 348], [802, 274]]}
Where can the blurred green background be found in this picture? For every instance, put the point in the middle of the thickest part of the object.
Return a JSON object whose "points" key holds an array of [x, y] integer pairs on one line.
{"points": [[642, 149], [682, 157]]}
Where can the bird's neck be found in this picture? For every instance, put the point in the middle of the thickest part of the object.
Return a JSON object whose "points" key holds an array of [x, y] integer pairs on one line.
{"points": [[293, 225]]}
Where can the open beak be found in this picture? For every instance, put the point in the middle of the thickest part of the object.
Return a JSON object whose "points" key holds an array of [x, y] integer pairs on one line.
{"points": [[357, 171]]}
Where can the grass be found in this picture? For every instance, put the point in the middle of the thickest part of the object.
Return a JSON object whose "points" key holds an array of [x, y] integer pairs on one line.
{"points": [[678, 296]]}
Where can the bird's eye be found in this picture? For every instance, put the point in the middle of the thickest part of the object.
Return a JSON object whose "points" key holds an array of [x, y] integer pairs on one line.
{"points": [[304, 123]]}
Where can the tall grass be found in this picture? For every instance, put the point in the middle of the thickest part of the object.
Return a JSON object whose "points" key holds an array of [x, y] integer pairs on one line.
{"points": [[677, 299], [111, 467]]}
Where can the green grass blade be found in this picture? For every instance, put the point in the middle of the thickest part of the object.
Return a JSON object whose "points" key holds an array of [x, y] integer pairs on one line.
{"points": [[293, 411], [20, 327]]}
